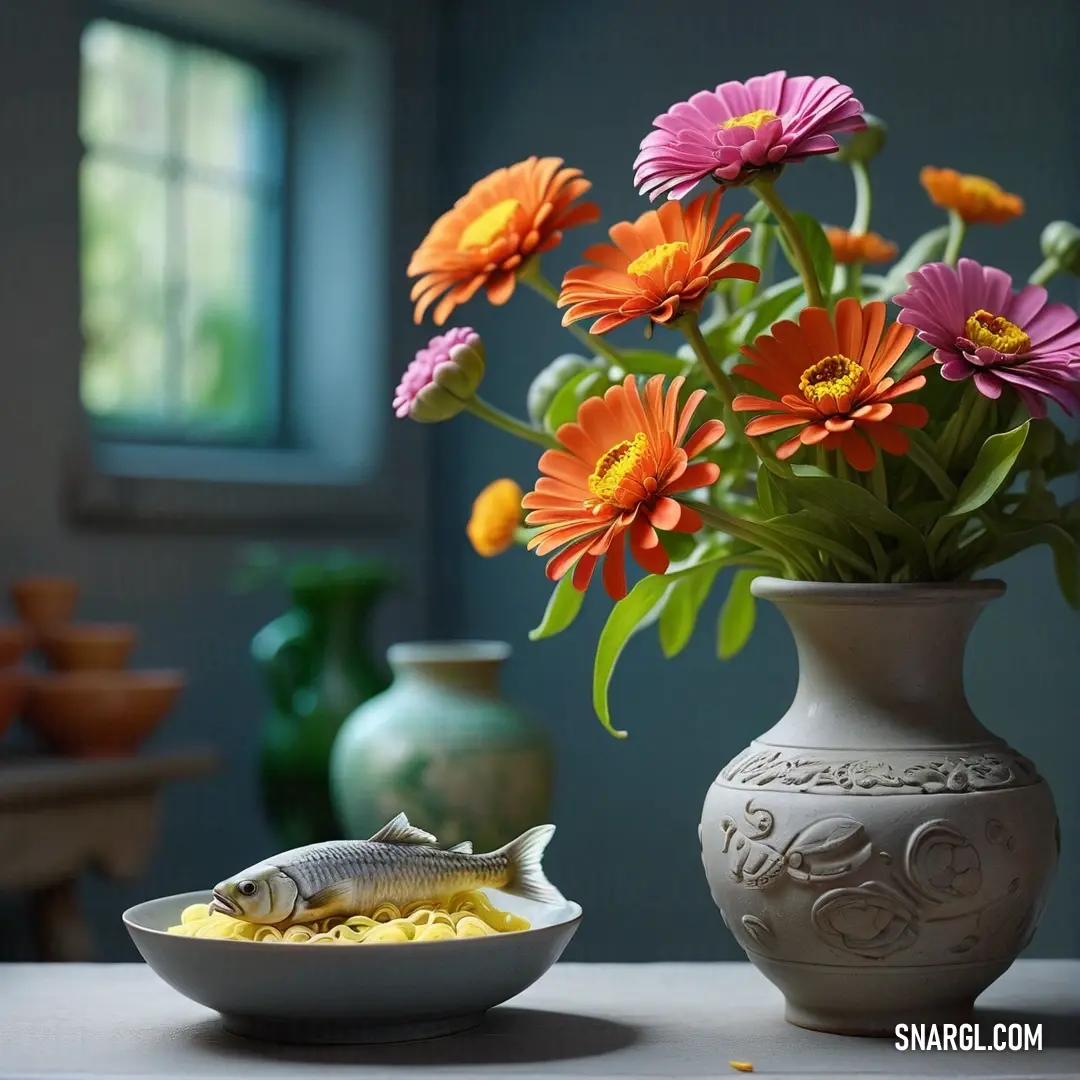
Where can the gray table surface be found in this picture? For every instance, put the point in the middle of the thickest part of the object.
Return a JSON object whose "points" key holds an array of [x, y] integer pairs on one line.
{"points": [[580, 1020]]}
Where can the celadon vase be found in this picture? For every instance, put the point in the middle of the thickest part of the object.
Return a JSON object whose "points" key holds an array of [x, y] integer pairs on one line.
{"points": [[879, 854], [442, 745], [318, 666]]}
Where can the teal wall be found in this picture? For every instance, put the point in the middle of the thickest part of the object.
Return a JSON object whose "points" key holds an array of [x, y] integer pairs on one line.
{"points": [[986, 87]]}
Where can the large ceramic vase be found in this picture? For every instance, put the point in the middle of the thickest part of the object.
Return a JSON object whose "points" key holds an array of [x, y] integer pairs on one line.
{"points": [[879, 854], [445, 747], [318, 667]]}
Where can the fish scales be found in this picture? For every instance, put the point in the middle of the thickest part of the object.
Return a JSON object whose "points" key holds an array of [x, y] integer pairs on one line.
{"points": [[403, 866]]}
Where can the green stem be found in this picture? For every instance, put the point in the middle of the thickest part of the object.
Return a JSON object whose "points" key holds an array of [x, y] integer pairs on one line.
{"points": [[760, 242], [523, 534], [977, 406], [720, 378], [1044, 272], [505, 422], [878, 484], [957, 231], [767, 194], [725, 388], [920, 456], [854, 281], [860, 223], [760, 535], [842, 470], [540, 284]]}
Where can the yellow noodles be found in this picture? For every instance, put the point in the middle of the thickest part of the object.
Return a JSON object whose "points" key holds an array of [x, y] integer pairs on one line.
{"points": [[466, 915]]}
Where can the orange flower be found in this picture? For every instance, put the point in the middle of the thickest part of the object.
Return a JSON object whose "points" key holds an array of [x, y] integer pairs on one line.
{"points": [[504, 219], [833, 382], [849, 247], [663, 264], [977, 200], [496, 513], [624, 460]]}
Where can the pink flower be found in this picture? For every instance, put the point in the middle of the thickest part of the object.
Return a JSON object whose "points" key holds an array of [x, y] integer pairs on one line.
{"points": [[442, 378], [981, 329], [743, 129]]}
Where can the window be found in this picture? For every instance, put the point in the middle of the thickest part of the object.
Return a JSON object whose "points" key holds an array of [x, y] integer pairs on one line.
{"points": [[182, 204]]}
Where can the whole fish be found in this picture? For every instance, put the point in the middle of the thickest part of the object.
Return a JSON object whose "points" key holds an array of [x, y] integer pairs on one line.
{"points": [[399, 865]]}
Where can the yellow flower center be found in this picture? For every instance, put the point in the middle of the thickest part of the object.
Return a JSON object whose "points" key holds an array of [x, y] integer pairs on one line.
{"points": [[979, 187], [616, 465], [832, 377], [489, 226], [751, 119], [994, 332], [657, 258]]}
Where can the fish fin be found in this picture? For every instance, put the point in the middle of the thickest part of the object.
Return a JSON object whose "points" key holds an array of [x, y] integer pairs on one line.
{"points": [[340, 891], [527, 877], [399, 831], [464, 848]]}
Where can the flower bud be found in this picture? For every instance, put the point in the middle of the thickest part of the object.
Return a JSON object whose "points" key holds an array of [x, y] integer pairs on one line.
{"points": [[442, 378], [496, 514], [551, 380], [1060, 241], [862, 145]]}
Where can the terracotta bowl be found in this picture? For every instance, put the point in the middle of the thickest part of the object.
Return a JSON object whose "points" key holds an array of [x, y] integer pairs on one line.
{"points": [[101, 713], [44, 603], [14, 641], [14, 690], [88, 646]]}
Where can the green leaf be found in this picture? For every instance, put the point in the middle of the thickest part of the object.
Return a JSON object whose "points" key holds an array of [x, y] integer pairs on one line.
{"points": [[681, 608], [1038, 503], [1040, 444], [817, 244], [849, 500], [632, 613], [1063, 546], [550, 381], [768, 307], [737, 616], [877, 552], [929, 247], [916, 351], [650, 362], [565, 404], [923, 455], [759, 214], [819, 533], [562, 608], [770, 497], [679, 546], [621, 624], [992, 466]]}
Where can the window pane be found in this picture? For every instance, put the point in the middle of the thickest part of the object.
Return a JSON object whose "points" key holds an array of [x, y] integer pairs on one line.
{"points": [[226, 106], [125, 85], [123, 276], [226, 374]]}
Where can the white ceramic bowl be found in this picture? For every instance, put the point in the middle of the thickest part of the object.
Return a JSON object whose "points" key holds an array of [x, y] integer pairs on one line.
{"points": [[351, 993]]}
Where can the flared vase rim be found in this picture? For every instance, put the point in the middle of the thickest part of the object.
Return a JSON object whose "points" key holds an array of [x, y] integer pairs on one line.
{"points": [[448, 652], [918, 593]]}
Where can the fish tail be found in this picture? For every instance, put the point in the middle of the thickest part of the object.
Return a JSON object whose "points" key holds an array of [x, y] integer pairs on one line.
{"points": [[527, 878]]}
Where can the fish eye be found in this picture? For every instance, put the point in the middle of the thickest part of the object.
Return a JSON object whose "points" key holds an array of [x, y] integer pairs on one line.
{"points": [[247, 888]]}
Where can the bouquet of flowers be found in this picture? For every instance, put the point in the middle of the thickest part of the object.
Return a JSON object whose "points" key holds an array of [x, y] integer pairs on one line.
{"points": [[809, 419]]}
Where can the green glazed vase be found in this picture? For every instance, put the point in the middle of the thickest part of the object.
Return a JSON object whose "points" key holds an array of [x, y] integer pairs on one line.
{"points": [[444, 747], [318, 668]]}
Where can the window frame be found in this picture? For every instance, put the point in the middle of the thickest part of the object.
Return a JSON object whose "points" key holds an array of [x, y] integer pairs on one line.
{"points": [[359, 58], [274, 287]]}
